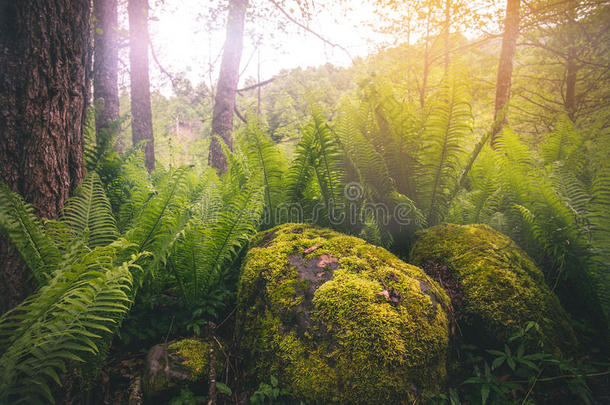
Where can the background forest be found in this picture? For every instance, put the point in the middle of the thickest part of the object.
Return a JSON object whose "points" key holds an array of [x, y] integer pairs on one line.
{"points": [[127, 211]]}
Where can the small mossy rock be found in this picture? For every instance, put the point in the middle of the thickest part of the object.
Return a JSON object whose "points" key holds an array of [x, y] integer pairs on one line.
{"points": [[501, 289], [338, 320], [171, 364]]}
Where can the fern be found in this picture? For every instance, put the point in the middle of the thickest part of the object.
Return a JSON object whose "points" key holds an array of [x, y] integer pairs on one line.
{"points": [[264, 157], [202, 252], [235, 224], [561, 142], [300, 173], [89, 214], [164, 215], [140, 189], [60, 324], [447, 133], [328, 162], [599, 219], [37, 249]]}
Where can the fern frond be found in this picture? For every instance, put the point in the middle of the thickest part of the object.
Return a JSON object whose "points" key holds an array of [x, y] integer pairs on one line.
{"points": [[265, 158], [328, 163], [62, 323], [164, 215], [300, 173], [234, 226], [561, 142], [24, 229], [89, 214], [448, 132], [139, 186], [599, 219]]}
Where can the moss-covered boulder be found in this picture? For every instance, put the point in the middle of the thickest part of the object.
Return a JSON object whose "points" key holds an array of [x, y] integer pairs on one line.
{"points": [[336, 319], [495, 286], [171, 364]]}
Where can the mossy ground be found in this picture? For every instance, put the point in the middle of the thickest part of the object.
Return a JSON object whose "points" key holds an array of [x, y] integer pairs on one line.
{"points": [[339, 320], [502, 288]]}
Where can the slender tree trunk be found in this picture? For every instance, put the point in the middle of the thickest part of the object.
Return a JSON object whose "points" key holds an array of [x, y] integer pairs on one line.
{"points": [[44, 65], [141, 114], [447, 36], [105, 65], [224, 103], [422, 93], [571, 66], [570, 98], [505, 67]]}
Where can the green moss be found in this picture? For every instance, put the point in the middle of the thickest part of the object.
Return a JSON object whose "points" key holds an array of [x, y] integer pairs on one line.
{"points": [[339, 320], [196, 356], [502, 287]]}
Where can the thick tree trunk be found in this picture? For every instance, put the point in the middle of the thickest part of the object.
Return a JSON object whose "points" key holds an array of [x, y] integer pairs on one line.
{"points": [[141, 114], [44, 64], [505, 67], [105, 65], [224, 103]]}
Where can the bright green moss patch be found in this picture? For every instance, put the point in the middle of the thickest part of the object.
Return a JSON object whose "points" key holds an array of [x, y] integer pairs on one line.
{"points": [[195, 355], [339, 320], [501, 287]]}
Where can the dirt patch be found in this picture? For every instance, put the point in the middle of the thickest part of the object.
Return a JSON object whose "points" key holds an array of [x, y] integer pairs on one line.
{"points": [[452, 286], [316, 271], [267, 239]]}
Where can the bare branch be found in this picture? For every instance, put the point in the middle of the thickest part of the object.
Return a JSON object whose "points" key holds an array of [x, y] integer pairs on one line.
{"points": [[306, 28], [254, 86], [171, 78]]}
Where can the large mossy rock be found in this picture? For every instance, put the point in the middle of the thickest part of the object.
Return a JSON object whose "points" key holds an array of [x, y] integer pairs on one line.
{"points": [[495, 286], [336, 319]]}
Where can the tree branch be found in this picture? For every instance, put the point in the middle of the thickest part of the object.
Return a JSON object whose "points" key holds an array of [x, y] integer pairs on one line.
{"points": [[306, 28], [165, 72], [241, 117], [254, 86]]}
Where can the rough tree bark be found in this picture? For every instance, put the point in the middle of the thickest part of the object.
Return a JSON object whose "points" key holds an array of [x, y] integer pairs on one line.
{"points": [[224, 103], [44, 64], [141, 114], [105, 65], [505, 67]]}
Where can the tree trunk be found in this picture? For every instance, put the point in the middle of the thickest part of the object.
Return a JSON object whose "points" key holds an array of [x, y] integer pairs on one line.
{"points": [[422, 93], [141, 114], [571, 66], [105, 65], [447, 36], [570, 99], [44, 65], [505, 67], [224, 103]]}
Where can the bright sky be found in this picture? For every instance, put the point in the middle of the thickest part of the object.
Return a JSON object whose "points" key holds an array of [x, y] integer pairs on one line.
{"points": [[182, 44]]}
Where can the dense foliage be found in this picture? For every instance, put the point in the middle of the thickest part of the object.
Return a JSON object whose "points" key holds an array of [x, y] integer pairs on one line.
{"points": [[362, 150]]}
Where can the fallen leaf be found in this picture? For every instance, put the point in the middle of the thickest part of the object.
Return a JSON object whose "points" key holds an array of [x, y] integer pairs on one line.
{"points": [[385, 294], [311, 249], [325, 260]]}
